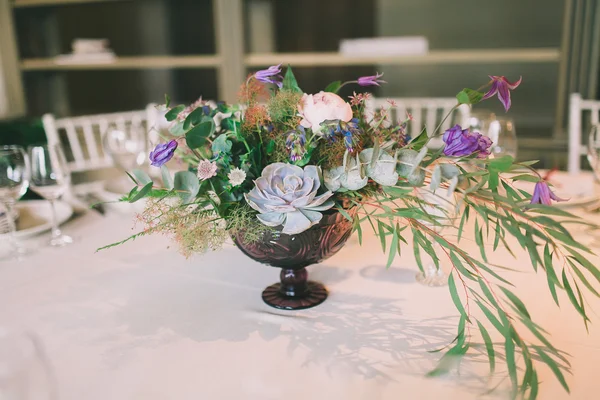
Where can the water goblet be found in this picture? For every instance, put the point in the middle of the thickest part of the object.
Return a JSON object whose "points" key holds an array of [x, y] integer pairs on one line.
{"points": [[126, 145], [504, 137], [441, 206], [14, 180], [50, 178]]}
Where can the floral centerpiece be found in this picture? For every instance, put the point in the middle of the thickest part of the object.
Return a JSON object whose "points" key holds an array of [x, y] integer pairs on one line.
{"points": [[289, 176]]}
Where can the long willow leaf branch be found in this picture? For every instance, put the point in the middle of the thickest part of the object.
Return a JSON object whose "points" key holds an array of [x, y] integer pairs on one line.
{"points": [[490, 298]]}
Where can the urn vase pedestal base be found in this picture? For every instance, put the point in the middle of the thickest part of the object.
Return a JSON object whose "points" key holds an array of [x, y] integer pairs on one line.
{"points": [[293, 253], [294, 292]]}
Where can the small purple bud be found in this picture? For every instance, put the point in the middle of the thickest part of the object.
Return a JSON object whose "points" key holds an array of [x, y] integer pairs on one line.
{"points": [[162, 153], [372, 80]]}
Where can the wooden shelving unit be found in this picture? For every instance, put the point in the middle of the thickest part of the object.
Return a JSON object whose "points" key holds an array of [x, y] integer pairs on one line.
{"points": [[38, 3], [535, 55], [144, 62]]}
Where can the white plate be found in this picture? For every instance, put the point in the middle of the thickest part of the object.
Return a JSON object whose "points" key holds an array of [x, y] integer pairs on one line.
{"points": [[110, 191], [35, 217], [580, 190]]}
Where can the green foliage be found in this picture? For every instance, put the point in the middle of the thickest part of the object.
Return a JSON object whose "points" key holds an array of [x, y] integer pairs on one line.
{"points": [[196, 137], [167, 178], [187, 186], [290, 83], [491, 211], [283, 107], [242, 222], [333, 87], [221, 144], [172, 114], [469, 96]]}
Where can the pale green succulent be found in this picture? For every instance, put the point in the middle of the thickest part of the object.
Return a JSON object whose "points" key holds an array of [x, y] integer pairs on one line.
{"points": [[286, 195], [355, 174]]}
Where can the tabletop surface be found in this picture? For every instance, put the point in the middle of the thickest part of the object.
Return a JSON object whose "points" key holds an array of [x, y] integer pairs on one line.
{"points": [[140, 321]]}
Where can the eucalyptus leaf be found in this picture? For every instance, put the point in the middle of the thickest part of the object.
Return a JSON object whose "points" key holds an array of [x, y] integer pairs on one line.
{"points": [[196, 137], [221, 144], [187, 185], [166, 177], [436, 178], [193, 118], [449, 171], [142, 176], [177, 129], [172, 114]]}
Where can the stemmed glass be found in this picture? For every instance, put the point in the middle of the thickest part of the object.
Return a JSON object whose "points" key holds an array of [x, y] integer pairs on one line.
{"points": [[14, 180], [593, 156], [504, 137], [441, 206], [126, 146], [480, 119], [25, 372], [50, 178]]}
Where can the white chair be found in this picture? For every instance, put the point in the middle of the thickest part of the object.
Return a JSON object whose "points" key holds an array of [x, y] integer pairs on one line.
{"points": [[427, 112], [83, 135], [577, 109]]}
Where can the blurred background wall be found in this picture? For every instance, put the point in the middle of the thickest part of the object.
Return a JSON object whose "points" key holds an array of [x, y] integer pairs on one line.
{"points": [[189, 48]]}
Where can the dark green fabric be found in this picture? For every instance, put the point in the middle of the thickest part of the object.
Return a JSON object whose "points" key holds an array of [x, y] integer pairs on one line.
{"points": [[23, 132]]}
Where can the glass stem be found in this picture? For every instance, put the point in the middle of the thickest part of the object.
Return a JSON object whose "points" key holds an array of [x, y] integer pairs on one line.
{"points": [[56, 233], [431, 269], [12, 227]]}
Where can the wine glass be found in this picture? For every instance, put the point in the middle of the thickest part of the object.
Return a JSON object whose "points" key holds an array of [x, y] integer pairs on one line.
{"points": [[593, 150], [480, 119], [504, 137], [25, 372], [593, 156], [14, 180], [50, 178], [440, 205], [126, 145]]}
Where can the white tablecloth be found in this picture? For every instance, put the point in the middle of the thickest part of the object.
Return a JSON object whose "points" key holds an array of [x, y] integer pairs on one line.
{"points": [[141, 322]]}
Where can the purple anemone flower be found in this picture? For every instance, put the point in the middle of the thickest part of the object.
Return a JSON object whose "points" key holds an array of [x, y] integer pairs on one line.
{"points": [[270, 75], [162, 153], [543, 195], [372, 80], [462, 142], [502, 87]]}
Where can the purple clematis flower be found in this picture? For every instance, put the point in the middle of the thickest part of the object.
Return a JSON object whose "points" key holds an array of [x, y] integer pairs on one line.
{"points": [[543, 195], [462, 142], [372, 80], [270, 75], [162, 153], [502, 87]]}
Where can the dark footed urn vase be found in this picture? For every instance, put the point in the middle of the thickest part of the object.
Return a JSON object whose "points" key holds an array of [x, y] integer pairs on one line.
{"points": [[293, 253]]}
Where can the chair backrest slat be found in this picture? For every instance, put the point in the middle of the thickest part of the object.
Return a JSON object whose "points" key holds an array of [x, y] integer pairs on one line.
{"points": [[416, 125], [431, 110], [90, 140], [76, 149], [85, 135]]}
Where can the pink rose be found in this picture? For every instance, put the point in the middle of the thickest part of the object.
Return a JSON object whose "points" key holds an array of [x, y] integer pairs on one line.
{"points": [[322, 106]]}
